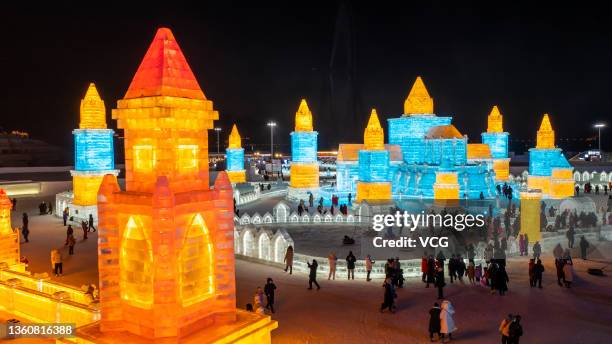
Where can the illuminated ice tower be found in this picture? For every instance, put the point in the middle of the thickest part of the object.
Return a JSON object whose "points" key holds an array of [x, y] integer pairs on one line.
{"points": [[235, 158], [94, 157], [304, 163], [9, 236], [374, 161], [166, 245], [549, 170], [497, 139]]}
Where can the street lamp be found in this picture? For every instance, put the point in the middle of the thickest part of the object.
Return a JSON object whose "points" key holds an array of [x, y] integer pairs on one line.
{"points": [[599, 126], [271, 125], [218, 130]]}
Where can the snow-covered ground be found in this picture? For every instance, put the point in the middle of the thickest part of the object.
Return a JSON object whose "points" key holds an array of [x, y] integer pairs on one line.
{"points": [[347, 311]]}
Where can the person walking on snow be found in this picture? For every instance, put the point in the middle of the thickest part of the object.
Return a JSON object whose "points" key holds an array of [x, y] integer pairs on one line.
{"points": [[56, 262], [368, 263], [91, 224], [312, 277], [434, 321], [269, 289], [389, 296], [350, 265], [440, 283], [515, 331], [538, 270], [71, 243], [584, 245], [65, 216], [25, 230], [424, 267], [289, 260], [332, 259], [568, 274], [504, 329], [447, 322], [537, 250]]}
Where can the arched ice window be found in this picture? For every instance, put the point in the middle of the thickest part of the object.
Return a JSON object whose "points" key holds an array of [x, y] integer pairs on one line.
{"points": [[196, 264], [136, 265]]}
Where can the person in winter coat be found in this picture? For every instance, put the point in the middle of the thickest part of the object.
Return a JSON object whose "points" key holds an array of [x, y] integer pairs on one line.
{"points": [[69, 233], [289, 259], [434, 321], [25, 229], [504, 329], [568, 273], [258, 301], [440, 283], [332, 258], [312, 277], [389, 296], [90, 224], [71, 243], [501, 280], [537, 250], [471, 271], [368, 263], [350, 265], [531, 273], [559, 266], [269, 289], [56, 262], [447, 322], [515, 331], [522, 244], [85, 228], [65, 215], [431, 271], [538, 271], [584, 245], [424, 267]]}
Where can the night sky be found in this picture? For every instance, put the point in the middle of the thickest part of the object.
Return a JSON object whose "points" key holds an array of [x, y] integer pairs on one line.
{"points": [[255, 63]]}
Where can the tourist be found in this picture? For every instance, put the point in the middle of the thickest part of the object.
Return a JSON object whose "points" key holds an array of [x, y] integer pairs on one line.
{"points": [[570, 234], [331, 210], [568, 273], [71, 243], [531, 272], [69, 232], [350, 198], [471, 271], [537, 250], [14, 201], [312, 277], [501, 280], [577, 190], [258, 301], [311, 200], [350, 265], [538, 271], [65, 215], [522, 244], [289, 260], [25, 229], [321, 202], [84, 227], [269, 289], [56, 262], [515, 331], [424, 267], [434, 321], [368, 263], [478, 274], [460, 268], [440, 282], [431, 271], [584, 245], [559, 266], [332, 259], [388, 297], [398, 278], [504, 328], [447, 322], [488, 253], [91, 224], [452, 271]]}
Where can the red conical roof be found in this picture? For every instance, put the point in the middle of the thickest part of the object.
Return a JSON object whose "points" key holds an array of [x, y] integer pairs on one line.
{"points": [[164, 71]]}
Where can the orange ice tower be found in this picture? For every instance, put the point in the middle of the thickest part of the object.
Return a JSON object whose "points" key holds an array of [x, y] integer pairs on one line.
{"points": [[166, 246]]}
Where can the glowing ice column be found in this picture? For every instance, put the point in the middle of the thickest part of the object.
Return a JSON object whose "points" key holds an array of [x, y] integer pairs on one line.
{"points": [[374, 161], [497, 140], [235, 158], [9, 237], [94, 154], [530, 214], [304, 164]]}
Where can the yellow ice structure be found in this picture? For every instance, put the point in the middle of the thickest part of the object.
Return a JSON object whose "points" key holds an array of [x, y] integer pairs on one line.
{"points": [[530, 214], [446, 186], [9, 237], [235, 141], [303, 117], [93, 111], [495, 121], [502, 169], [373, 191], [546, 134], [418, 101], [561, 183], [374, 135]]}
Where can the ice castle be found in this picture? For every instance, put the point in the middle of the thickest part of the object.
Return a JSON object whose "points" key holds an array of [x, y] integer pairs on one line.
{"points": [[427, 157]]}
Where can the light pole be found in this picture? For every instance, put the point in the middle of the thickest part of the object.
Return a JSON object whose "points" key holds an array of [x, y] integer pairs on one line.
{"points": [[271, 124], [599, 126], [218, 130]]}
